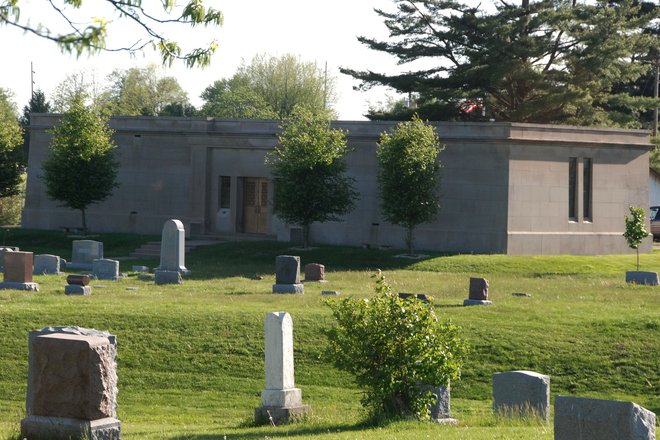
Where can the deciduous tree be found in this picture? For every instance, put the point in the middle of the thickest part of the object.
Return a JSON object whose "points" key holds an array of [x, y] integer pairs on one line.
{"points": [[81, 168], [409, 175], [308, 168], [79, 27], [11, 142], [273, 86], [37, 104]]}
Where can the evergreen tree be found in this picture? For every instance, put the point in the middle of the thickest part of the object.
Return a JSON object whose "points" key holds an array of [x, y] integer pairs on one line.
{"points": [[37, 104], [549, 61], [81, 168], [309, 169]]}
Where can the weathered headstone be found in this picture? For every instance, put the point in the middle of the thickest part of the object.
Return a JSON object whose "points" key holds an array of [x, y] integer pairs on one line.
{"points": [[173, 247], [521, 394], [478, 295], [287, 275], [18, 271], [72, 385], [329, 292], [84, 253], [77, 285], [641, 277], [281, 401], [420, 296], [441, 409], [141, 269], [315, 272], [46, 264], [4, 249], [578, 418], [167, 277], [104, 269]]}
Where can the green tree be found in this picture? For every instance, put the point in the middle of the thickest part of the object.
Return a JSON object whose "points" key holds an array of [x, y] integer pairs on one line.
{"points": [[408, 175], [272, 86], [394, 346], [234, 99], [11, 142], [545, 61], [142, 92], [308, 169], [81, 168], [37, 104], [83, 84], [143, 26], [635, 229]]}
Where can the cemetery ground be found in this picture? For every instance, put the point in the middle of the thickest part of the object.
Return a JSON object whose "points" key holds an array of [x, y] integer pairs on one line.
{"points": [[191, 356]]}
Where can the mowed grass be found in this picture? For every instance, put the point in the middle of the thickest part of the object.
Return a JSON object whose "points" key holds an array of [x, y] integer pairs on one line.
{"points": [[191, 357]]}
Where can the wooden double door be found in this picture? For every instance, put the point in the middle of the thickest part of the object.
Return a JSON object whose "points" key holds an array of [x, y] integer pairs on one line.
{"points": [[255, 205]]}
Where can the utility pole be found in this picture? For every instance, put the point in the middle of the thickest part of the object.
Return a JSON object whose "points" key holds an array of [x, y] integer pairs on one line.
{"points": [[31, 80], [655, 94]]}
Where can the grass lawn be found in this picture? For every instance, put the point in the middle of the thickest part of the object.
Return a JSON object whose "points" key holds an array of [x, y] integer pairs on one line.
{"points": [[191, 357]]}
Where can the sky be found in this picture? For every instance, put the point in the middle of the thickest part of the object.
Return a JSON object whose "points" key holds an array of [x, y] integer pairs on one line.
{"points": [[320, 31]]}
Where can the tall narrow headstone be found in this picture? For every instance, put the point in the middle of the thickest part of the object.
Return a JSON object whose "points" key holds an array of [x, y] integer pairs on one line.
{"points": [[18, 271], [287, 275], [281, 401], [521, 394], [84, 253], [46, 264], [72, 385], [173, 247], [579, 418], [441, 409]]}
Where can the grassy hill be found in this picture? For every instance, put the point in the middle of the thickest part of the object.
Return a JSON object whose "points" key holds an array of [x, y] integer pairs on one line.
{"points": [[191, 357]]}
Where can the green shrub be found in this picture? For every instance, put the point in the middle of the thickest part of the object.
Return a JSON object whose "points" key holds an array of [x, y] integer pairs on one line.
{"points": [[394, 347], [11, 207]]}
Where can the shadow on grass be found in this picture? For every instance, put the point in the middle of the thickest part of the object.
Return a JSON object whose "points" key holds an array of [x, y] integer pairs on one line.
{"points": [[246, 259], [290, 430]]}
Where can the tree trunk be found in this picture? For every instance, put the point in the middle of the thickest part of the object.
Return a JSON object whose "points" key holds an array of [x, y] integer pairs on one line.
{"points": [[84, 222], [410, 240], [637, 258], [305, 236]]}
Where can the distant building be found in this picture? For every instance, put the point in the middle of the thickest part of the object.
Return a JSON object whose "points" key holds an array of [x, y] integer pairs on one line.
{"points": [[506, 188]]}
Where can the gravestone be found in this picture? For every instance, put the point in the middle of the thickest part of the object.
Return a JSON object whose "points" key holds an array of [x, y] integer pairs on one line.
{"points": [[287, 275], [641, 277], [441, 409], [315, 272], [478, 295], [4, 249], [173, 247], [104, 269], [578, 418], [521, 394], [46, 264], [84, 253], [77, 285], [280, 401], [72, 385], [167, 277], [141, 269], [18, 271]]}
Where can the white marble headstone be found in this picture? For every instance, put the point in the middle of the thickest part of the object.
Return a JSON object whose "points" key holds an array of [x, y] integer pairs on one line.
{"points": [[173, 247]]}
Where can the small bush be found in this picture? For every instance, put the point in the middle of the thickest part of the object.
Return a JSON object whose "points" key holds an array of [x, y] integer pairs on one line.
{"points": [[11, 207], [394, 347]]}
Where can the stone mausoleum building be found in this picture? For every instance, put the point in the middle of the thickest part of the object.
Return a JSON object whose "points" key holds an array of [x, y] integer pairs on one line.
{"points": [[506, 188]]}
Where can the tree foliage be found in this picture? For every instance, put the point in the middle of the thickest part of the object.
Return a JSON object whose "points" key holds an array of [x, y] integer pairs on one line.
{"points": [[143, 92], [308, 168], [635, 229], [409, 174], [78, 27], [271, 86], [546, 61], [81, 168], [37, 104], [12, 161], [393, 347]]}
